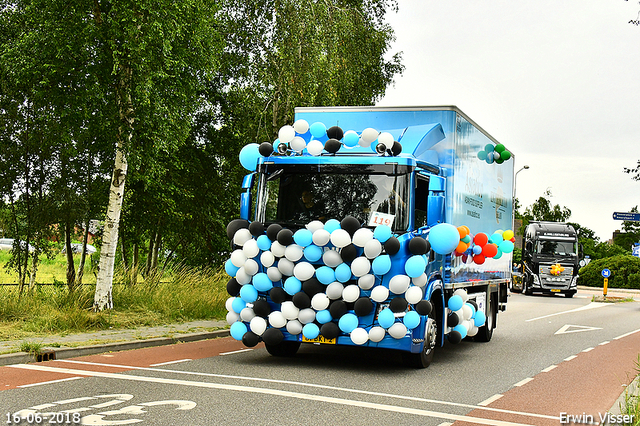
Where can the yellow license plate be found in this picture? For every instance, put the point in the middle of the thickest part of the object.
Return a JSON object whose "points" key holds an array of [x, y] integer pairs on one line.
{"points": [[555, 290], [320, 339]]}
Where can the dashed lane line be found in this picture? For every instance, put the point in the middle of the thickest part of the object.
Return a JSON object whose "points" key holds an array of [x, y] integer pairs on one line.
{"points": [[488, 401], [523, 382], [549, 368], [170, 362]]}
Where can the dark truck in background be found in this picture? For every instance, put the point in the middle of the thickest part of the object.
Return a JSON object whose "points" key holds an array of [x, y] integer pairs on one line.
{"points": [[550, 259]]}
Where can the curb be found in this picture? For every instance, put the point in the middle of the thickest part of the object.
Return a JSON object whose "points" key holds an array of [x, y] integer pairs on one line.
{"points": [[630, 391], [48, 354]]}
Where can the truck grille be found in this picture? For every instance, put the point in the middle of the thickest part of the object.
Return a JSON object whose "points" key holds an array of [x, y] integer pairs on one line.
{"points": [[549, 280]]}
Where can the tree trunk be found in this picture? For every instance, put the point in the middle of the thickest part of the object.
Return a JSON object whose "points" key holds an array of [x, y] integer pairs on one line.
{"points": [[147, 269], [156, 249], [71, 268], [83, 256]]}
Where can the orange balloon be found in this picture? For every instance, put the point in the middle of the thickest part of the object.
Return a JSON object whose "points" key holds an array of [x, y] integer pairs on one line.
{"points": [[462, 247], [462, 231]]}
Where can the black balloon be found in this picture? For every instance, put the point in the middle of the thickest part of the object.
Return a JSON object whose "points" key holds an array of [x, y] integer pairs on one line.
{"points": [[337, 309], [312, 287], [301, 300], [272, 231], [350, 224], [418, 246], [234, 225], [335, 132], [455, 337], [330, 330], [278, 295], [349, 253], [363, 306], [424, 307], [473, 303], [392, 246], [261, 308], [265, 149], [250, 339], [398, 304], [233, 287], [256, 228], [396, 149], [285, 237], [453, 319], [272, 336], [332, 146]]}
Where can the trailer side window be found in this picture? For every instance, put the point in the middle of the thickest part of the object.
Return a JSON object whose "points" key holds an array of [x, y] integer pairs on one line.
{"points": [[422, 195]]}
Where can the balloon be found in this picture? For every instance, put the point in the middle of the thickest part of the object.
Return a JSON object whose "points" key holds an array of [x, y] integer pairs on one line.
{"points": [[256, 228], [467, 311], [496, 238], [362, 236], [350, 224], [479, 319], [286, 267], [286, 133], [312, 287], [334, 290], [325, 275], [340, 238], [315, 147], [499, 148], [455, 302], [314, 225], [386, 139], [237, 330], [301, 126], [505, 155], [444, 238], [262, 282], [233, 287], [367, 281], [359, 336], [411, 320], [331, 258], [396, 148], [335, 132], [278, 295], [490, 250], [237, 305], [289, 310], [318, 130], [477, 249], [267, 259], [272, 336], [264, 243], [292, 285], [294, 327], [424, 307], [479, 259], [420, 281], [258, 325], [303, 237], [303, 271], [418, 245], [247, 314], [230, 268], [413, 294], [293, 252], [482, 155], [376, 334], [386, 318], [306, 315], [506, 246], [242, 236], [234, 225], [298, 144], [454, 337], [274, 274], [382, 233], [463, 294], [343, 272], [338, 308], [462, 330], [242, 277], [323, 316], [363, 306], [360, 266], [349, 253], [351, 293], [285, 237], [332, 146], [277, 319], [372, 249], [330, 330], [321, 237], [368, 136], [331, 225], [380, 265], [261, 308], [312, 253], [310, 331], [462, 247], [399, 284], [398, 305], [379, 294], [488, 147], [272, 231], [320, 301], [508, 234], [348, 323], [250, 339], [277, 249], [351, 138], [480, 239], [301, 300], [398, 330], [249, 155], [415, 266]]}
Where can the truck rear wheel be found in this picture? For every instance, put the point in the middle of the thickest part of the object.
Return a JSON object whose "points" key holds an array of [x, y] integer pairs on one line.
{"points": [[425, 357], [283, 349], [485, 333]]}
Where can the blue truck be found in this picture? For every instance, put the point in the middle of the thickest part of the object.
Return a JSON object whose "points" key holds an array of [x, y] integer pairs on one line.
{"points": [[385, 227]]}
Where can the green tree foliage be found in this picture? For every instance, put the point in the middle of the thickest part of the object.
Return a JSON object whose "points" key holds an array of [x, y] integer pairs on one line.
{"points": [[544, 209], [625, 272]]}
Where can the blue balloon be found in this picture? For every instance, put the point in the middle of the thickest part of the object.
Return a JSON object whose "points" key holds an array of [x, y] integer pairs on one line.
{"points": [[411, 320], [386, 318], [264, 243], [473, 309], [323, 316], [348, 322], [415, 266], [506, 246], [238, 305], [479, 319], [310, 331], [488, 148], [444, 238], [382, 233], [381, 264], [498, 254], [351, 139], [292, 285], [343, 272], [496, 238], [477, 249], [325, 275], [249, 155], [303, 237], [455, 302], [312, 253], [262, 282], [318, 129], [461, 329], [489, 159], [331, 225], [248, 293], [230, 268], [237, 330]]}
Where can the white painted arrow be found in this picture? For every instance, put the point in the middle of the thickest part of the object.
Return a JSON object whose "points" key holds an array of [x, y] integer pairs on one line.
{"points": [[565, 329]]}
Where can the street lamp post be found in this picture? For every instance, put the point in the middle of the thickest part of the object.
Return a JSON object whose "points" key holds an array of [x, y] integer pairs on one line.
{"points": [[515, 177]]}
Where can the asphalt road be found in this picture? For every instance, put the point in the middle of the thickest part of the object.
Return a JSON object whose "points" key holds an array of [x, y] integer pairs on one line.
{"points": [[548, 356]]}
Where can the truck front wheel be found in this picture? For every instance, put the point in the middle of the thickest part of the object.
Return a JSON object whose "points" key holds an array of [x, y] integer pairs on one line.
{"points": [[425, 357], [285, 348]]}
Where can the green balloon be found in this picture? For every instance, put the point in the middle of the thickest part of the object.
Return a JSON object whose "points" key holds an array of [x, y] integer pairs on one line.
{"points": [[499, 160], [499, 148], [505, 155]]}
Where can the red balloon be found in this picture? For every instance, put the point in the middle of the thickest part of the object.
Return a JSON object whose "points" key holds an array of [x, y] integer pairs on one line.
{"points": [[479, 259], [513, 240], [490, 250], [480, 239]]}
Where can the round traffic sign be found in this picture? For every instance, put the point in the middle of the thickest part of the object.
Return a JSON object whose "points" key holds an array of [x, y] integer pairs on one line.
{"points": [[606, 273]]}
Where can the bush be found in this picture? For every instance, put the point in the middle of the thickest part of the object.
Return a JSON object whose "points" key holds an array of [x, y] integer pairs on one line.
{"points": [[625, 272]]}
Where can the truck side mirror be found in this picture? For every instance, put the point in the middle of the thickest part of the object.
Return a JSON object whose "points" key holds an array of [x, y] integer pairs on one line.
{"points": [[245, 197], [529, 247]]}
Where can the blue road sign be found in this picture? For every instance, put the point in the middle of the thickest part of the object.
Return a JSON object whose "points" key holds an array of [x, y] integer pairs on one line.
{"points": [[629, 216], [606, 273]]}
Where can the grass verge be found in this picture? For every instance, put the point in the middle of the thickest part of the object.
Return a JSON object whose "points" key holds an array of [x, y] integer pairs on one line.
{"points": [[631, 405]]}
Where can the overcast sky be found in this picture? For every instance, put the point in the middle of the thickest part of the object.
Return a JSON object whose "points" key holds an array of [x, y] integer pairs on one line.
{"points": [[557, 82]]}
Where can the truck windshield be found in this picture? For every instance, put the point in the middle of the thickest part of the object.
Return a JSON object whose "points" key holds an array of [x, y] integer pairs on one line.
{"points": [[557, 248], [296, 196]]}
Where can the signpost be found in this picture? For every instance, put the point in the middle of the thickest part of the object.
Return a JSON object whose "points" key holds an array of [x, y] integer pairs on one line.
{"points": [[627, 216], [606, 274]]}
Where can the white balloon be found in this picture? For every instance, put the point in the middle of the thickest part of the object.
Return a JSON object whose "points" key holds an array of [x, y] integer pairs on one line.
{"points": [[229, 304], [242, 277], [331, 258], [289, 310], [294, 327], [267, 258], [301, 126], [351, 293], [241, 236], [250, 248], [473, 330], [277, 319], [399, 284], [321, 237], [496, 155], [293, 252], [367, 281], [258, 325], [340, 238], [247, 314], [277, 249], [379, 293], [376, 334], [467, 312], [286, 133], [238, 258], [320, 301], [398, 330], [359, 336], [303, 271], [413, 294], [274, 274], [387, 139], [334, 290], [251, 267], [362, 236], [315, 147], [307, 315], [420, 281], [286, 267], [314, 225], [372, 249], [232, 317], [462, 293], [298, 144], [360, 266], [368, 136]]}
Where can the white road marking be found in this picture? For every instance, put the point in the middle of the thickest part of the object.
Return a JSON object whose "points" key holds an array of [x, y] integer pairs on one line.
{"points": [[490, 400], [549, 368], [592, 305], [588, 350], [626, 334], [523, 382], [170, 362], [570, 358], [50, 381], [603, 343], [235, 352], [569, 328], [290, 394]]}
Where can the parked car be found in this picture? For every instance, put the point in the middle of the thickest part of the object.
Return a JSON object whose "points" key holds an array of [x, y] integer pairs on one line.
{"points": [[7, 244], [77, 248]]}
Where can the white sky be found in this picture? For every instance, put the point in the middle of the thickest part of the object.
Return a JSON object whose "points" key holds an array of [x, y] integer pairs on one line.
{"points": [[557, 82]]}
